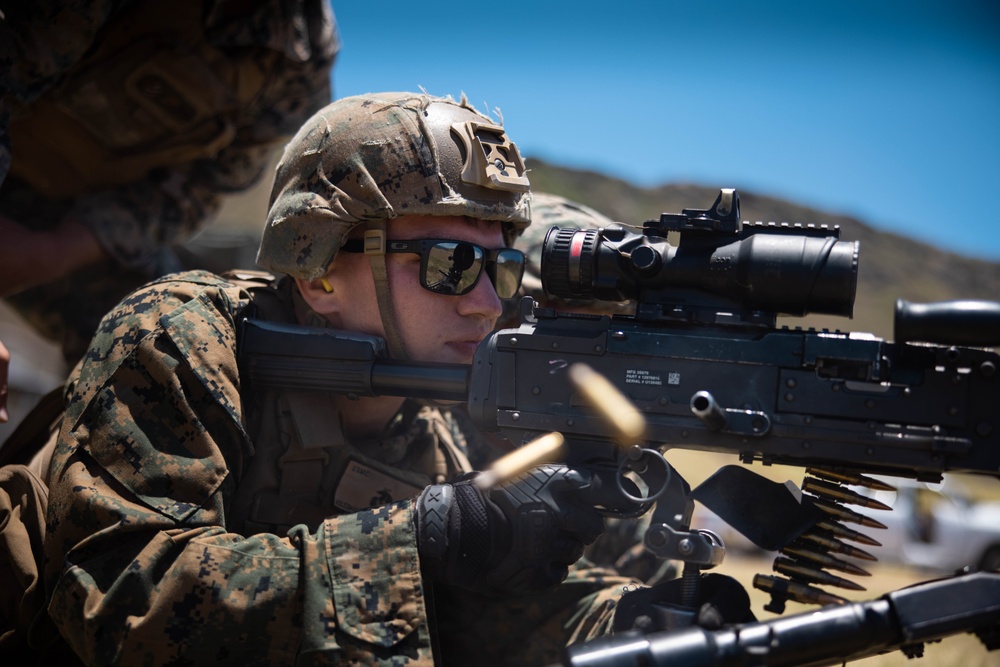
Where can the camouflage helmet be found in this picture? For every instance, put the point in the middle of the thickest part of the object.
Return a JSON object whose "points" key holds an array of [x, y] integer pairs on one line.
{"points": [[374, 157], [548, 210]]}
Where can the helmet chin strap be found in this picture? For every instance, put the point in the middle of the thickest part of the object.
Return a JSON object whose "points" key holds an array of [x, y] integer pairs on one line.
{"points": [[374, 243], [375, 250]]}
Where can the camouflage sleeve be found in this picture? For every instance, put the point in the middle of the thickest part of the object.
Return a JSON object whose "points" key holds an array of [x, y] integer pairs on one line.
{"points": [[140, 566]]}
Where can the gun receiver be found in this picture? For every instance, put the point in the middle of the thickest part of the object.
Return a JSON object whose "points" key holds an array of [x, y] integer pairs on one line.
{"points": [[779, 396], [805, 398]]}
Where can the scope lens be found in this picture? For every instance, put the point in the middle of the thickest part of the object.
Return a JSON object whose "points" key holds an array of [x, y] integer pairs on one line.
{"points": [[568, 257]]}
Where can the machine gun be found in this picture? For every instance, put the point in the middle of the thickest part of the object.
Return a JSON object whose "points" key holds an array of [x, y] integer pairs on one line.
{"points": [[705, 364]]}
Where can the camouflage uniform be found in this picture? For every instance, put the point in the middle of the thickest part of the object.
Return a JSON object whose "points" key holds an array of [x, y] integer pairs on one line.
{"points": [[179, 525], [149, 559], [133, 118]]}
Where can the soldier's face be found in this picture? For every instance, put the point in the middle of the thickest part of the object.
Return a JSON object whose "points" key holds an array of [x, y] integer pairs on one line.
{"points": [[434, 327]]}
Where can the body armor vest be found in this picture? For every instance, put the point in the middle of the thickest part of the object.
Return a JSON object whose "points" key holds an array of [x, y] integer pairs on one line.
{"points": [[304, 469]]}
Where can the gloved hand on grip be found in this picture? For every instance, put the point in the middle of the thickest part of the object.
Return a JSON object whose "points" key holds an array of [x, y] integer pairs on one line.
{"points": [[516, 539], [721, 600]]}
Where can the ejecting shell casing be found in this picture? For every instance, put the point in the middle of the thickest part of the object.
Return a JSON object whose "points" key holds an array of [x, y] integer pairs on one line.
{"points": [[611, 405], [545, 449]]}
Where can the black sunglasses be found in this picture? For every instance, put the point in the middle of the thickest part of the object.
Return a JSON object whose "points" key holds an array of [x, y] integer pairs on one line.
{"points": [[454, 267]]}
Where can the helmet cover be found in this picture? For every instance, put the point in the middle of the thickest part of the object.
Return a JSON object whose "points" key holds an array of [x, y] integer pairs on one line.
{"points": [[380, 156]]}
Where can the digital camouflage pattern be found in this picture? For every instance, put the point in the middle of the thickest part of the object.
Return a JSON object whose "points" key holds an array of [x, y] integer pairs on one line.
{"points": [[149, 457], [46, 51], [143, 566], [532, 630]]}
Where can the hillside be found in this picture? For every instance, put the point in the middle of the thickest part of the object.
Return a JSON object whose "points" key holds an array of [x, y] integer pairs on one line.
{"points": [[891, 266]]}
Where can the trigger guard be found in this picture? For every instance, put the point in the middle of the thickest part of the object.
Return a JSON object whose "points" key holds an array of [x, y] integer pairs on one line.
{"points": [[646, 453]]}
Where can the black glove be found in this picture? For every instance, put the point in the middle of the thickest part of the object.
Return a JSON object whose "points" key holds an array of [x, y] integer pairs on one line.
{"points": [[721, 601], [518, 538]]}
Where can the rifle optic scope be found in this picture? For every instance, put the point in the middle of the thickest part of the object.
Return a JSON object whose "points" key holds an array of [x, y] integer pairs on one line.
{"points": [[780, 269]]}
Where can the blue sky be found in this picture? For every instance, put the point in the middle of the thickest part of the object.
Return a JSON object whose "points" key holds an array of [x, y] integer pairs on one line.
{"points": [[885, 110]]}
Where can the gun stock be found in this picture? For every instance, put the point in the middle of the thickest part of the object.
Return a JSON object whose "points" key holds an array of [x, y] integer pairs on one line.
{"points": [[278, 355]]}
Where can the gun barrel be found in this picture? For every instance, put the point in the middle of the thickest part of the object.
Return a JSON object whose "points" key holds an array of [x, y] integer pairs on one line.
{"points": [[964, 322], [829, 636]]}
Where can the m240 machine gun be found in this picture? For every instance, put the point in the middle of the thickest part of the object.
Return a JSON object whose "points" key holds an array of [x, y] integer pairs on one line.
{"points": [[704, 362]]}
